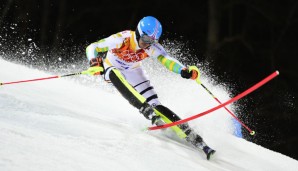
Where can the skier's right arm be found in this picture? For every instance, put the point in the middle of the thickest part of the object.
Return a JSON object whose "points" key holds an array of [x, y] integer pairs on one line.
{"points": [[95, 60], [93, 49], [104, 45]]}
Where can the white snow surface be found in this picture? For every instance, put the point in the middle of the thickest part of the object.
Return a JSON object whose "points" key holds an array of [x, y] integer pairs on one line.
{"points": [[60, 124]]}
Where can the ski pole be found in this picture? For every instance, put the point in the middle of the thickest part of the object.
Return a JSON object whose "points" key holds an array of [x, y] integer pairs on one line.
{"points": [[90, 71], [200, 83]]}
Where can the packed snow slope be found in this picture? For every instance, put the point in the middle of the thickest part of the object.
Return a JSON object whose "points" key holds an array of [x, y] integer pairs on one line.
{"points": [[61, 124]]}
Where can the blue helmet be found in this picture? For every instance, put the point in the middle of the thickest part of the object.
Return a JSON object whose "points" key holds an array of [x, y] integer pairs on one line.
{"points": [[149, 26]]}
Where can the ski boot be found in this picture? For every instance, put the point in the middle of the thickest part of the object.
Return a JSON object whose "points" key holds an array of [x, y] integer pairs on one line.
{"points": [[208, 151], [197, 142], [148, 111]]}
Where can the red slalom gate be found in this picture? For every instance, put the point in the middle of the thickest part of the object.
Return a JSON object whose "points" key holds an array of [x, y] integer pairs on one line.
{"points": [[246, 92]]}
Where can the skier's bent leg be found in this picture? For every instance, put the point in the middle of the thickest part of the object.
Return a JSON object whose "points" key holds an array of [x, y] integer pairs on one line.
{"points": [[133, 96], [168, 116], [127, 91], [138, 101]]}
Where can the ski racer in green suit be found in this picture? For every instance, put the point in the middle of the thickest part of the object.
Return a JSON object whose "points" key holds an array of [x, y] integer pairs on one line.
{"points": [[118, 58]]}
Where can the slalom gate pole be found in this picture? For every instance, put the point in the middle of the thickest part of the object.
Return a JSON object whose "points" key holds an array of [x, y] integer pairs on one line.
{"points": [[246, 92], [246, 127], [199, 82], [90, 71]]}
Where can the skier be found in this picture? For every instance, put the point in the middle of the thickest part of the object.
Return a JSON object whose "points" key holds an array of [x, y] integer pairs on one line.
{"points": [[118, 58]]}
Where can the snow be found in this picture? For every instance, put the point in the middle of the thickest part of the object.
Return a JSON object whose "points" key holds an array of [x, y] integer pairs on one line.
{"points": [[60, 124]]}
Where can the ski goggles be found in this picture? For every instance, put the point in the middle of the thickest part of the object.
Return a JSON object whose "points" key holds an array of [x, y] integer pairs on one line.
{"points": [[148, 40]]}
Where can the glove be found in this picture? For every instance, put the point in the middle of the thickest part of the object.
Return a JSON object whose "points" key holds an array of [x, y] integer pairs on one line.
{"points": [[191, 72], [96, 66], [95, 62]]}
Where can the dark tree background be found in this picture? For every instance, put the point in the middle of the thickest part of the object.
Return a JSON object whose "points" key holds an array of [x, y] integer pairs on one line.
{"points": [[243, 41]]}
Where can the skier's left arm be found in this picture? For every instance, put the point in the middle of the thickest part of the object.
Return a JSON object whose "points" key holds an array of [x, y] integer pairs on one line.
{"points": [[170, 63], [190, 72]]}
